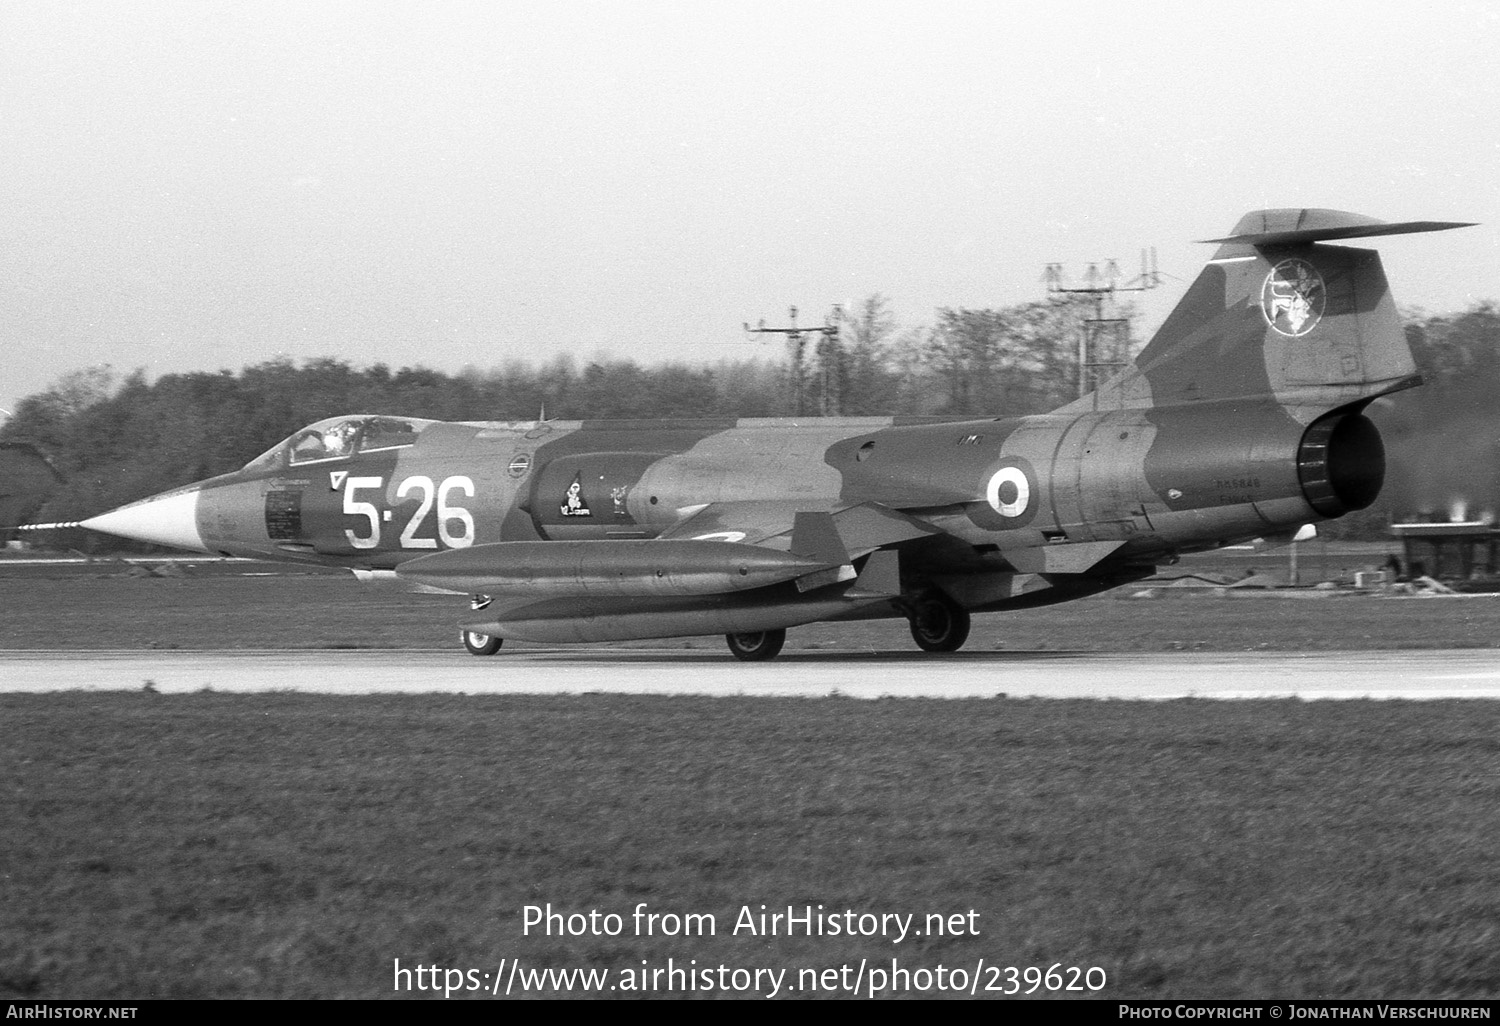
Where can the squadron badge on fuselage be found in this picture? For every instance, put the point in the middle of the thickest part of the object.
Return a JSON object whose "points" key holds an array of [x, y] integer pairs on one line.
{"points": [[1293, 297], [574, 504]]}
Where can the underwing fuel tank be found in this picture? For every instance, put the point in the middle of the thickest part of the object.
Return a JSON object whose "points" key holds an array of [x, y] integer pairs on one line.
{"points": [[624, 568]]}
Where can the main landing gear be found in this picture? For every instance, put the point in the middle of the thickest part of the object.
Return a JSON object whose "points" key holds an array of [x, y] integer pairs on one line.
{"points": [[938, 624], [481, 644], [756, 647]]}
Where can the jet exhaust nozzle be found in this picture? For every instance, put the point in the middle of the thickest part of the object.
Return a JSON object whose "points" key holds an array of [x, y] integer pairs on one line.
{"points": [[1341, 464]]}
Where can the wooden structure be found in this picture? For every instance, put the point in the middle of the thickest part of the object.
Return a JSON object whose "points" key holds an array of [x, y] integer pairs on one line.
{"points": [[1457, 551]]}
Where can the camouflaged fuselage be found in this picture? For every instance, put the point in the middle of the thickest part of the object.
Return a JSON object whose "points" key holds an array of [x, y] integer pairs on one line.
{"points": [[1241, 418]]}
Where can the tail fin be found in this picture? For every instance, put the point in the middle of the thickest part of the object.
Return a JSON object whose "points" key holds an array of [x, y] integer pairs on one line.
{"points": [[1277, 315]]}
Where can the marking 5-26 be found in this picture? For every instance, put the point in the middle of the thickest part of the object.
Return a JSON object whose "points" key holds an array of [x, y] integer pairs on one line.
{"points": [[455, 524]]}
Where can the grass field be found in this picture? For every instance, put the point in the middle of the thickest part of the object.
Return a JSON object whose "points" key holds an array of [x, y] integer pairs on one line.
{"points": [[218, 845], [215, 845], [105, 607]]}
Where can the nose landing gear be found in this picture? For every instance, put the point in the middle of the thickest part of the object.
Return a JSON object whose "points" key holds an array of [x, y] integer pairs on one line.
{"points": [[481, 644], [756, 647]]}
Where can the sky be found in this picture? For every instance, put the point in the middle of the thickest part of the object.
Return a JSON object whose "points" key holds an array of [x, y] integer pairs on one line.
{"points": [[204, 185]]}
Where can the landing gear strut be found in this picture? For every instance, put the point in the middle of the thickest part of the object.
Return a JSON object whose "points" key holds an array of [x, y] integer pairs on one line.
{"points": [[481, 644], [756, 647], [938, 624]]}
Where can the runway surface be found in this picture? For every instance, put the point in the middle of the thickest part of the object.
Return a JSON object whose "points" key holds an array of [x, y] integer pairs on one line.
{"points": [[1468, 673]]}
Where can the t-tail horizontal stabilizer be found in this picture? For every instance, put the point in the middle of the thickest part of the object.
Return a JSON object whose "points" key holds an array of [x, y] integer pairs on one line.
{"points": [[1277, 324], [1299, 227]]}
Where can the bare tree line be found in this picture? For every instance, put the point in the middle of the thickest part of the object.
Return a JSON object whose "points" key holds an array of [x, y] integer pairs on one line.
{"points": [[116, 438]]}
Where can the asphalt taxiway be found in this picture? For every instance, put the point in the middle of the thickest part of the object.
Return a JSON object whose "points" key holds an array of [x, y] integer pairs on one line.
{"points": [[1415, 675]]}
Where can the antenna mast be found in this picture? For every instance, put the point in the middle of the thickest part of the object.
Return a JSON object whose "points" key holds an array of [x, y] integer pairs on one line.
{"points": [[830, 387], [1103, 341]]}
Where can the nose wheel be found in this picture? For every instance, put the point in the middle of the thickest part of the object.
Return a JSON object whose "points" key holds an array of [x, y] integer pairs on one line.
{"points": [[756, 647], [938, 624], [481, 644]]}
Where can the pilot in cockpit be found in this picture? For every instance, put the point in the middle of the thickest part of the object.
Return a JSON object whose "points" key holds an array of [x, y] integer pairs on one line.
{"points": [[339, 441], [308, 446]]}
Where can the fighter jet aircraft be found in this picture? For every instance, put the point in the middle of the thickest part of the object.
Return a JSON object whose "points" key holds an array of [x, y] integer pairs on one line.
{"points": [[1241, 418]]}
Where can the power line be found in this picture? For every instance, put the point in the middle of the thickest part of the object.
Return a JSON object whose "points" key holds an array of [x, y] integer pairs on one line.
{"points": [[1102, 340], [830, 387]]}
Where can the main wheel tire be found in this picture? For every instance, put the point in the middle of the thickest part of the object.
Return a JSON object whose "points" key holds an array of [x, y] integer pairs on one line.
{"points": [[939, 624], [482, 644], [756, 647]]}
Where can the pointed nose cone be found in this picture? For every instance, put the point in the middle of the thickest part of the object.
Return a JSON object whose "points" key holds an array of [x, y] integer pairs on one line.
{"points": [[167, 519]]}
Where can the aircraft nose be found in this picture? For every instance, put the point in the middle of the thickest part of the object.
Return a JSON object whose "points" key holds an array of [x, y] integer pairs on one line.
{"points": [[167, 519]]}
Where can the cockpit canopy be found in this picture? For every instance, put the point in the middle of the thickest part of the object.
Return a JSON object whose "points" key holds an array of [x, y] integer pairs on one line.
{"points": [[339, 437]]}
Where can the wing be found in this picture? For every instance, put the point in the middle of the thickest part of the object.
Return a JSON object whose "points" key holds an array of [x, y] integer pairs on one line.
{"points": [[716, 550], [834, 537], [800, 527]]}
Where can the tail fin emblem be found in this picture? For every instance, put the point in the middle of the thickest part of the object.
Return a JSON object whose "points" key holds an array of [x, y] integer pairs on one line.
{"points": [[1293, 297]]}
